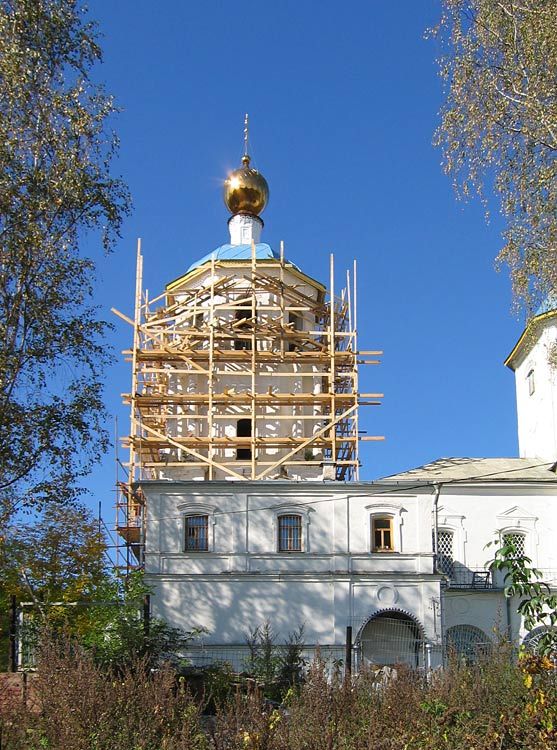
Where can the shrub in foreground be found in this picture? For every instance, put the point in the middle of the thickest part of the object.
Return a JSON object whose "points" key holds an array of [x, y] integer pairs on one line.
{"points": [[495, 704]]}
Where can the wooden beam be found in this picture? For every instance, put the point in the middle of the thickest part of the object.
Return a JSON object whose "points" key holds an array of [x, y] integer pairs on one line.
{"points": [[307, 442], [199, 456]]}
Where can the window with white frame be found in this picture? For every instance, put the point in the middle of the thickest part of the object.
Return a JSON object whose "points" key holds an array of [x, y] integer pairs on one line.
{"points": [[384, 528]]}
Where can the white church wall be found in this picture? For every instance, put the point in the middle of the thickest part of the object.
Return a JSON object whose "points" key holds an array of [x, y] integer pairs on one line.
{"points": [[486, 610], [480, 515], [242, 580], [536, 397], [280, 421]]}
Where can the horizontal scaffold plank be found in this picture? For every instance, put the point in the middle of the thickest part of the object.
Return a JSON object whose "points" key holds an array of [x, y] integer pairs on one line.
{"points": [[242, 355], [238, 398], [238, 442]]}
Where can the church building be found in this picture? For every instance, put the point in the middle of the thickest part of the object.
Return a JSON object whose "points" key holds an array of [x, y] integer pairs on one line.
{"points": [[244, 502]]}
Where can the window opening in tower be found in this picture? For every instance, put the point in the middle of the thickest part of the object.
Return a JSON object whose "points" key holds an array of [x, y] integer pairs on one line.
{"points": [[242, 315], [243, 430]]}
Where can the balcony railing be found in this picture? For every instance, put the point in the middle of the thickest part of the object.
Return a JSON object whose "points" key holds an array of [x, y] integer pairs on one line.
{"points": [[460, 577]]}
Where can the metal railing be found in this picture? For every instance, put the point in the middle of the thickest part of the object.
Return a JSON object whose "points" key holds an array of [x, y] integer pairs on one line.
{"points": [[478, 579]]}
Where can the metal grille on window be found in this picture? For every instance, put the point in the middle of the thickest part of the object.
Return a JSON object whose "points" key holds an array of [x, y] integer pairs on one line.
{"points": [[517, 541], [467, 642], [445, 559], [290, 533], [197, 533], [542, 638]]}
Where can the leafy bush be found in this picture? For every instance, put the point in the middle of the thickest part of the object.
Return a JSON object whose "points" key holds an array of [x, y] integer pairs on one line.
{"points": [[494, 704]]}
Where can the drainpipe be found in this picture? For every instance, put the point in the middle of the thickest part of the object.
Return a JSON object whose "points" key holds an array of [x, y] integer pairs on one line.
{"points": [[437, 491], [437, 495]]}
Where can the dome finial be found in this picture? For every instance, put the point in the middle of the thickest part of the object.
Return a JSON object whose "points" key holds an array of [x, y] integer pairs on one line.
{"points": [[246, 134], [245, 189]]}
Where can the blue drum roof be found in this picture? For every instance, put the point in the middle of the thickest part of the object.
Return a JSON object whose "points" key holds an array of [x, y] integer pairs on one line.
{"points": [[236, 252]]}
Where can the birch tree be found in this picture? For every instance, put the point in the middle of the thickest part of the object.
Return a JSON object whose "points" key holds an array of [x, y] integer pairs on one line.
{"points": [[498, 130], [56, 184]]}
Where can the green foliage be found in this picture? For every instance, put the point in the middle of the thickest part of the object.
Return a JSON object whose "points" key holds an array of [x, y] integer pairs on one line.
{"points": [[83, 706], [264, 659], [537, 605], [499, 124], [278, 667], [55, 184], [59, 565], [59, 557], [120, 636]]}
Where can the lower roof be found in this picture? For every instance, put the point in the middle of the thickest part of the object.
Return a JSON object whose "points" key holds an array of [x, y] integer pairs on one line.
{"points": [[479, 469]]}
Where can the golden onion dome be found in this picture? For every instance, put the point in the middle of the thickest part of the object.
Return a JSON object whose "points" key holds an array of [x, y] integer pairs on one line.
{"points": [[246, 190]]}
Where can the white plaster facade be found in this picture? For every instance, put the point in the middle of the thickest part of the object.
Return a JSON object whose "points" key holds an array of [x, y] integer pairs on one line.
{"points": [[431, 588], [242, 580], [283, 420], [478, 501], [536, 387]]}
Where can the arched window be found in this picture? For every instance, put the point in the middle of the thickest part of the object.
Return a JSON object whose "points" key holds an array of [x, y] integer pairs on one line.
{"points": [[517, 541], [197, 533], [541, 639], [445, 552], [382, 537], [467, 642], [392, 637], [290, 533]]}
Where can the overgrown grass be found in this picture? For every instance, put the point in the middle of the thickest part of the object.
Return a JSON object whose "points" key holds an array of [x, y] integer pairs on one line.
{"points": [[496, 704]]}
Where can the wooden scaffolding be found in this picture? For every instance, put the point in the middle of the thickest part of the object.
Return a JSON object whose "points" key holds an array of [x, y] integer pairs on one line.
{"points": [[254, 341]]}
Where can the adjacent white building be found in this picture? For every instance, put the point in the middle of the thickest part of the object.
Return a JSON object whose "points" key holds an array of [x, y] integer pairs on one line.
{"points": [[534, 362]]}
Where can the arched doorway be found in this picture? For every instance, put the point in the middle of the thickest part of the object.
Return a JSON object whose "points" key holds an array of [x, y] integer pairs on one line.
{"points": [[392, 637]]}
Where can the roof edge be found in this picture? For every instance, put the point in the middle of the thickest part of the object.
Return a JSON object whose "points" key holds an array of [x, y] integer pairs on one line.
{"points": [[171, 286], [536, 320]]}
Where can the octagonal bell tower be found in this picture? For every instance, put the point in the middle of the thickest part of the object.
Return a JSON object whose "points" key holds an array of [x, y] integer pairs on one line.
{"points": [[245, 367]]}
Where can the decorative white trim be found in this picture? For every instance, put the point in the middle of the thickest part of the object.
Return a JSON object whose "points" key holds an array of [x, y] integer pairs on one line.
{"points": [[450, 520], [285, 509], [198, 509], [516, 520], [393, 511], [517, 514]]}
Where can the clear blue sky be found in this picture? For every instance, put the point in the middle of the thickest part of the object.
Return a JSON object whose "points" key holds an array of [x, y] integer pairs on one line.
{"points": [[343, 100]]}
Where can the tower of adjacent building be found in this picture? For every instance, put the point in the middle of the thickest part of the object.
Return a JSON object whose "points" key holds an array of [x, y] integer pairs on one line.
{"points": [[534, 362]]}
